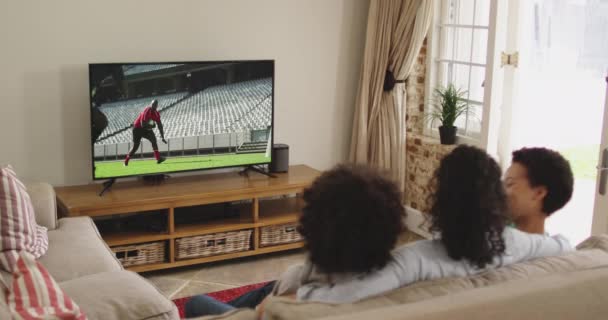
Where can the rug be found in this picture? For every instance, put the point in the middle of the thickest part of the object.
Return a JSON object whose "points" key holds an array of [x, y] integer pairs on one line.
{"points": [[224, 295]]}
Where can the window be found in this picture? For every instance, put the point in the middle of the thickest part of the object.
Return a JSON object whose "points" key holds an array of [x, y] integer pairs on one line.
{"points": [[458, 51]]}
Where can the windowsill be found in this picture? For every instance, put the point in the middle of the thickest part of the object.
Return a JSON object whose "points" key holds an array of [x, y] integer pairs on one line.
{"points": [[431, 136], [424, 138]]}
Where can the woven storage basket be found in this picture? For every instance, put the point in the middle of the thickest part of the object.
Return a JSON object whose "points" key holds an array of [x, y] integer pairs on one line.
{"points": [[212, 244], [285, 233], [138, 254]]}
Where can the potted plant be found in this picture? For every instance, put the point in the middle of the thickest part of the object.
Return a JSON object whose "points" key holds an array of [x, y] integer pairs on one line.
{"points": [[448, 105]]}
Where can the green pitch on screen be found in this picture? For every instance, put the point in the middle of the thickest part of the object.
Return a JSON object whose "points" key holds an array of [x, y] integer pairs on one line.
{"points": [[137, 166]]}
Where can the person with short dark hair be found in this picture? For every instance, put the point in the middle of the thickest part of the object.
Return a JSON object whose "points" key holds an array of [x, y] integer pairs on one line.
{"points": [[143, 127], [469, 216], [538, 183], [351, 219]]}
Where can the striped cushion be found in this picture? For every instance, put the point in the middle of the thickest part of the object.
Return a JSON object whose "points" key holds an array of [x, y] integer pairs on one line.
{"points": [[18, 228], [35, 295]]}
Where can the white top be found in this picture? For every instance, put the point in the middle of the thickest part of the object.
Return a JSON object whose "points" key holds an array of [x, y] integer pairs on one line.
{"points": [[427, 260]]}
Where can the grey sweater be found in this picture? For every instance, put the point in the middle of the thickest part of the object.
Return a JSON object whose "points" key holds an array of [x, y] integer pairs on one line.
{"points": [[418, 261]]}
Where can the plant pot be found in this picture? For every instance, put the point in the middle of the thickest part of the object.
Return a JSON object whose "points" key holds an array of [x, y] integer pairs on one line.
{"points": [[447, 135]]}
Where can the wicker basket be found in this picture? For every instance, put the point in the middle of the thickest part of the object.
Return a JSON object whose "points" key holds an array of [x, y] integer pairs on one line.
{"points": [[285, 233], [213, 244], [138, 254]]}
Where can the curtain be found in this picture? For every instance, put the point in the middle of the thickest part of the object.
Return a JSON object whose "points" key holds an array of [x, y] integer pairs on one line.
{"points": [[396, 30]]}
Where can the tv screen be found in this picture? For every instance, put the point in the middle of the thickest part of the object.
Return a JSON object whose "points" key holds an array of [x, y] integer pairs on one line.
{"points": [[154, 118]]}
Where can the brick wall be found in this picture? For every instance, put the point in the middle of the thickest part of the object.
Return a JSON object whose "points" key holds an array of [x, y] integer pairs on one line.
{"points": [[423, 153], [423, 156], [414, 115]]}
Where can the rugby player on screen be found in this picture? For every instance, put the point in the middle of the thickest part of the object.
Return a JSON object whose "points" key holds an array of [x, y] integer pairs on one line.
{"points": [[143, 127]]}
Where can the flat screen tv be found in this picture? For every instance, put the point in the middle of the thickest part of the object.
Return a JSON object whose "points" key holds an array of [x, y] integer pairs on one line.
{"points": [[158, 118]]}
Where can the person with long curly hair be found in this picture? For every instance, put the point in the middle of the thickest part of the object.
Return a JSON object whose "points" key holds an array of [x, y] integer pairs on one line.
{"points": [[351, 219], [468, 216], [469, 207]]}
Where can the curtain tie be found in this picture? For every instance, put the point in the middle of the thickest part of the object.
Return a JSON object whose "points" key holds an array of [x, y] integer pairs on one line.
{"points": [[390, 81]]}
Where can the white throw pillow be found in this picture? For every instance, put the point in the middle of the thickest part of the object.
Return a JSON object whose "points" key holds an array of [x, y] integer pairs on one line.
{"points": [[18, 228]]}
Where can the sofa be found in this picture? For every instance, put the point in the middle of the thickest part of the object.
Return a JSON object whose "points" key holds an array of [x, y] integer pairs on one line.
{"points": [[88, 271], [569, 286]]}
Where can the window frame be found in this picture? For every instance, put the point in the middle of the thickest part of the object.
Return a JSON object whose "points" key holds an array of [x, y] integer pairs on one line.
{"points": [[437, 31]]}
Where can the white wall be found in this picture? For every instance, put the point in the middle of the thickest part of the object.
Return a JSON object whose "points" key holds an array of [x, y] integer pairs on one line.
{"points": [[45, 47]]}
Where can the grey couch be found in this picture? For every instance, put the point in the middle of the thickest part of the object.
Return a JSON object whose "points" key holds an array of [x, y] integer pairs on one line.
{"points": [[87, 270], [571, 286]]}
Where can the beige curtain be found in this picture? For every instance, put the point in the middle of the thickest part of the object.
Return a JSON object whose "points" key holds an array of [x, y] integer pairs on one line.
{"points": [[395, 32]]}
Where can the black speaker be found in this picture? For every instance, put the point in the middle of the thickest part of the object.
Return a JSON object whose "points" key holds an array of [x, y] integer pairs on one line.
{"points": [[280, 158]]}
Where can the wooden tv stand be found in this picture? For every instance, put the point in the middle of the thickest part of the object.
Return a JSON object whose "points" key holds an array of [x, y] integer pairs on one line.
{"points": [[260, 204]]}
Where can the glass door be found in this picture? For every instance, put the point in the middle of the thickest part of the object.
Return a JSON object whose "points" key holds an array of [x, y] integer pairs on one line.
{"points": [[555, 96], [600, 214]]}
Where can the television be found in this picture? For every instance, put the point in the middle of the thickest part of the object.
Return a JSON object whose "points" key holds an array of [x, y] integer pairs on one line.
{"points": [[167, 117]]}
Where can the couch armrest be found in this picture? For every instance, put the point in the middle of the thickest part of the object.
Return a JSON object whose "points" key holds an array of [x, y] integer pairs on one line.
{"points": [[119, 295], [44, 202]]}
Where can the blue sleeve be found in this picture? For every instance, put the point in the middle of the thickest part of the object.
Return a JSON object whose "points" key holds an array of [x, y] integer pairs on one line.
{"points": [[522, 246], [403, 269]]}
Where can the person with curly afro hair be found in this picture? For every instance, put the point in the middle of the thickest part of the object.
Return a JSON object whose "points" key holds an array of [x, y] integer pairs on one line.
{"points": [[468, 216], [538, 182], [351, 219]]}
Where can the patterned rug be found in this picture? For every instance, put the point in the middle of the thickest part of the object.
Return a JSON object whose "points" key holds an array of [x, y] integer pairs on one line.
{"points": [[224, 295]]}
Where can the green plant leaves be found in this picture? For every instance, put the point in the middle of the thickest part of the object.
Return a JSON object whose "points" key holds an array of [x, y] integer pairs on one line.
{"points": [[449, 103]]}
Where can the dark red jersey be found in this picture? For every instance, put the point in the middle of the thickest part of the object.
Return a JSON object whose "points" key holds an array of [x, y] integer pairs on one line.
{"points": [[146, 115]]}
